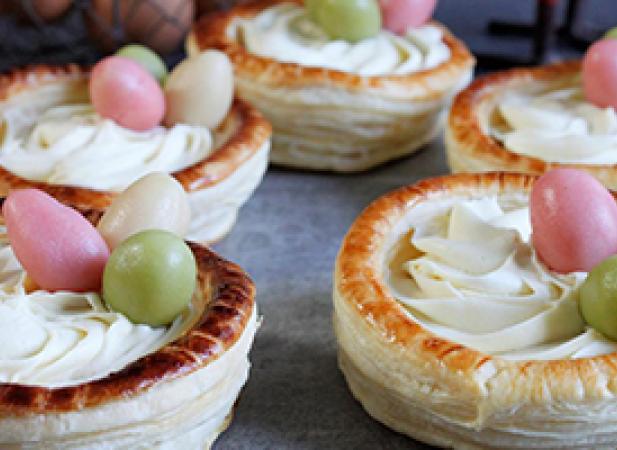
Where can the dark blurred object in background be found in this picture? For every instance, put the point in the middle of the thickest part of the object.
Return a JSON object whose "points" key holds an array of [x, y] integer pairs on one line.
{"points": [[208, 6], [159, 24], [60, 31], [37, 11], [544, 32]]}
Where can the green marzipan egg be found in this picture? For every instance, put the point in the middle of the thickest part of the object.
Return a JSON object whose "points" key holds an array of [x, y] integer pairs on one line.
{"points": [[150, 277], [351, 20], [611, 34], [598, 297], [147, 58]]}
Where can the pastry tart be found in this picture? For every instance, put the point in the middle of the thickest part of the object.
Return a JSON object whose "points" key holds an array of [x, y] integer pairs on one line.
{"points": [[335, 105], [451, 331], [531, 120], [75, 375], [51, 139]]}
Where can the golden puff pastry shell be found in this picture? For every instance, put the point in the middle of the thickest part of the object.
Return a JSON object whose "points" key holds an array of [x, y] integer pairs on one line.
{"points": [[442, 392], [181, 396], [222, 181], [470, 148], [370, 119]]}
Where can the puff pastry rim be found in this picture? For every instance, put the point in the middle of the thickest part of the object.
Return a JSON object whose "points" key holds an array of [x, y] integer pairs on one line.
{"points": [[467, 142], [495, 385], [212, 31], [229, 300], [252, 134]]}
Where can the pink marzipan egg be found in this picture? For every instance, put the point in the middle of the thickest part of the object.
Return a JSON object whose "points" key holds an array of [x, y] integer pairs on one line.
{"points": [[122, 90], [574, 220], [56, 245], [398, 15], [599, 73]]}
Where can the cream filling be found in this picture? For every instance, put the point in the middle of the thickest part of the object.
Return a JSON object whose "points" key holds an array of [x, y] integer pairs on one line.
{"points": [[72, 145], [285, 33], [558, 126], [187, 412], [468, 273], [66, 338]]}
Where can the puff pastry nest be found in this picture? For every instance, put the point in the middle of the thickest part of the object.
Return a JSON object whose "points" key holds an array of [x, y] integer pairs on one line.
{"points": [[217, 186], [180, 397], [331, 120], [470, 147], [444, 393]]}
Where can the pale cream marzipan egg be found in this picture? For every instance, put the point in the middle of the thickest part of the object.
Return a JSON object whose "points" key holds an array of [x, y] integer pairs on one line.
{"points": [[199, 91], [155, 201]]}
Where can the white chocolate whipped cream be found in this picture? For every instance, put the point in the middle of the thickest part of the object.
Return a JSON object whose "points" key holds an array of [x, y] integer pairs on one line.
{"points": [[558, 126], [66, 338], [72, 145], [470, 275], [285, 33]]}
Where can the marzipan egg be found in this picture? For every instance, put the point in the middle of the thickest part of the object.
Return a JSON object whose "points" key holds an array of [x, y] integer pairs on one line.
{"points": [[199, 91], [58, 248], [156, 200]]}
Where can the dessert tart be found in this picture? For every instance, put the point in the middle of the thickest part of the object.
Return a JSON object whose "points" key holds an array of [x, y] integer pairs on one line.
{"points": [[77, 375], [452, 331], [51, 139], [336, 105], [531, 120]]}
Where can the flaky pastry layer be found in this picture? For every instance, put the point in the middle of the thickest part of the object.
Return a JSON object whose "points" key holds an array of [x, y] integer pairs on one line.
{"points": [[442, 392], [181, 396], [471, 148], [217, 186], [332, 120]]}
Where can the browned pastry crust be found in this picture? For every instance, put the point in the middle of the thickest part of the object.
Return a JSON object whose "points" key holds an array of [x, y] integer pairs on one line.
{"points": [[212, 31], [471, 149], [490, 393], [252, 134], [228, 302], [326, 119], [358, 269]]}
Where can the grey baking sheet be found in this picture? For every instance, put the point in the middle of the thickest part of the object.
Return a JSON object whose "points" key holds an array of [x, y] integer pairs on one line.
{"points": [[287, 238]]}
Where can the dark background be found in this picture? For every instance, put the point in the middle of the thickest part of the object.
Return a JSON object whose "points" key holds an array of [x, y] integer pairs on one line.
{"points": [[287, 237], [66, 39]]}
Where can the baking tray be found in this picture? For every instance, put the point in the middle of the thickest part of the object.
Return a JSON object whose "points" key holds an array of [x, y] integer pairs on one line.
{"points": [[287, 237]]}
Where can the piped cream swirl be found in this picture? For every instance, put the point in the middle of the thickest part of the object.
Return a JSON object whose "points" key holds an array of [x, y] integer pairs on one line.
{"points": [[474, 278], [558, 126], [66, 338], [72, 145], [285, 33]]}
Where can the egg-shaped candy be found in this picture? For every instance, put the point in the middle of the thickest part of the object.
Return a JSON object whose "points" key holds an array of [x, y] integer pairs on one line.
{"points": [[611, 34], [122, 90], [399, 15], [150, 277], [598, 297], [199, 90], [351, 20], [573, 219], [57, 246], [599, 73], [147, 58], [156, 200]]}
